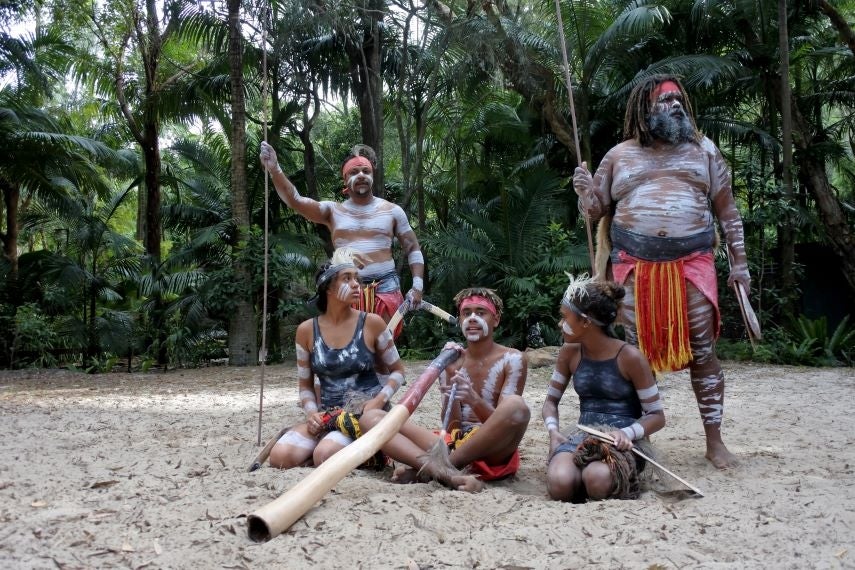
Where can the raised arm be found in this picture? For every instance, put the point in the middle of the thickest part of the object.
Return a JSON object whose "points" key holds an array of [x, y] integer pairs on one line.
{"points": [[634, 366], [724, 208], [312, 210]]}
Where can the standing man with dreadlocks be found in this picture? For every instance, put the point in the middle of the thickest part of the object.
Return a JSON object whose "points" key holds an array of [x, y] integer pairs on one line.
{"points": [[662, 189], [363, 222]]}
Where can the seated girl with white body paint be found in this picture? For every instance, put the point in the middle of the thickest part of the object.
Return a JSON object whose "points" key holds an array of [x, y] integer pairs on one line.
{"points": [[488, 415], [337, 356], [617, 394]]}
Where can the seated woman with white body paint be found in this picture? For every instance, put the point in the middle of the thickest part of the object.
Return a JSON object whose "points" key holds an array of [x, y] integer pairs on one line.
{"points": [[617, 394], [487, 415], [337, 356]]}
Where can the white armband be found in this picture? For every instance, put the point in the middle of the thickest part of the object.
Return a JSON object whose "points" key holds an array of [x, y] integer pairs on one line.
{"points": [[559, 377], [654, 406], [634, 431], [551, 423], [418, 284], [416, 257]]}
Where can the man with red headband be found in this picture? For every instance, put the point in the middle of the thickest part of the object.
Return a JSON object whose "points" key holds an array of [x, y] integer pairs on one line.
{"points": [[487, 416], [365, 223], [661, 191]]}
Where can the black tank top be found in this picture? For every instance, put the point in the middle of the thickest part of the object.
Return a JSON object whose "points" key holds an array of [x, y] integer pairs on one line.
{"points": [[602, 389], [344, 371]]}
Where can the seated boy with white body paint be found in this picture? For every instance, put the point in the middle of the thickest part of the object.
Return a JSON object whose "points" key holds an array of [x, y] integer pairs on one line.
{"points": [[488, 415], [337, 356]]}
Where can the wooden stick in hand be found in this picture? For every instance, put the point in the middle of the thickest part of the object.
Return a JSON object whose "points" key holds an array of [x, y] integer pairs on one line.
{"points": [[608, 439]]}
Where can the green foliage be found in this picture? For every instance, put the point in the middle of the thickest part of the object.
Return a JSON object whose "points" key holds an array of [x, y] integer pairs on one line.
{"points": [[807, 342], [33, 335]]}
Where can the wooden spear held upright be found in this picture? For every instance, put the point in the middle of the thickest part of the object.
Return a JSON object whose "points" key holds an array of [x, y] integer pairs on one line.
{"points": [[573, 118], [278, 516]]}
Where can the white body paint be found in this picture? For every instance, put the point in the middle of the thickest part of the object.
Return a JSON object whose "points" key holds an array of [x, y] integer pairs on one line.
{"points": [[367, 179], [514, 363], [344, 292], [369, 229], [474, 320]]}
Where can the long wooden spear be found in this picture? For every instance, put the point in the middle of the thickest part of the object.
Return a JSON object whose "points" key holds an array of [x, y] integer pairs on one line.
{"points": [[573, 118], [278, 516]]}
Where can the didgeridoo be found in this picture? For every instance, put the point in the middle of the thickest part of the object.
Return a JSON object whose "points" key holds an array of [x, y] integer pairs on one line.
{"points": [[277, 516]]}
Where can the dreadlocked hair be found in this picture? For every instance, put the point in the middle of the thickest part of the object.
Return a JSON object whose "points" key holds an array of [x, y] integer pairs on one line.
{"points": [[361, 150], [636, 124], [597, 299], [488, 294]]}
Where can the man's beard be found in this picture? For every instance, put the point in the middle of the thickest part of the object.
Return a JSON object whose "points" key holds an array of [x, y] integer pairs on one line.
{"points": [[671, 128]]}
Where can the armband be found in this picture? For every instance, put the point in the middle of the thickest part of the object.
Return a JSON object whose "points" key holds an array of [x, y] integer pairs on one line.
{"points": [[551, 423], [634, 431], [416, 257], [559, 377]]}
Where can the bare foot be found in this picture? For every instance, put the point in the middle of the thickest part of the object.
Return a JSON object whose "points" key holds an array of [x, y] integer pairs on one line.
{"points": [[404, 475], [468, 483], [719, 456]]}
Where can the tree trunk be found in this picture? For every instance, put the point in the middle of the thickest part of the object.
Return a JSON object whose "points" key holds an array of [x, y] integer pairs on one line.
{"points": [[11, 196], [243, 343], [368, 85], [813, 175]]}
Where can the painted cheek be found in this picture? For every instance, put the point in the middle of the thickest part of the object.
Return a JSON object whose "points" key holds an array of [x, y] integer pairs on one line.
{"points": [[343, 292], [566, 328]]}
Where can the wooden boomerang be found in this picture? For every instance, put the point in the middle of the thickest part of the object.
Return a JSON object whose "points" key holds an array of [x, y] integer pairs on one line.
{"points": [[608, 439], [434, 310], [403, 309], [749, 317], [748, 314]]}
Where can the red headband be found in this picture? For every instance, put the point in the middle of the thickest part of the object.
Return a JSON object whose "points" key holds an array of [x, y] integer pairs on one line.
{"points": [[480, 302], [355, 161], [665, 87]]}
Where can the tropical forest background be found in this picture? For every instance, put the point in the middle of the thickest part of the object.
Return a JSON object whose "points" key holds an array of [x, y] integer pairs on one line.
{"points": [[134, 216]]}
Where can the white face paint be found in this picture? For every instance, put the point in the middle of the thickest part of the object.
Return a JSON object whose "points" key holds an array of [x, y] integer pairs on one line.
{"points": [[365, 180], [344, 292], [566, 328], [472, 321]]}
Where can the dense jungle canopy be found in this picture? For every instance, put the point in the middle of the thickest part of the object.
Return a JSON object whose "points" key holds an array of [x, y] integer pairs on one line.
{"points": [[134, 212]]}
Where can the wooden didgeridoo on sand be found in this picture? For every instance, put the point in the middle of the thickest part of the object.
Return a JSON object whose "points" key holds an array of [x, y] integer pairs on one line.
{"points": [[277, 516]]}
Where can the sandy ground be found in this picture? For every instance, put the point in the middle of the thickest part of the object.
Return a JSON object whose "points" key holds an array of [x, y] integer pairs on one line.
{"points": [[149, 471]]}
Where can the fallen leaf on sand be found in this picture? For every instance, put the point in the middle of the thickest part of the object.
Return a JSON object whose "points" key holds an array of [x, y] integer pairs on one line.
{"points": [[103, 484], [38, 504]]}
